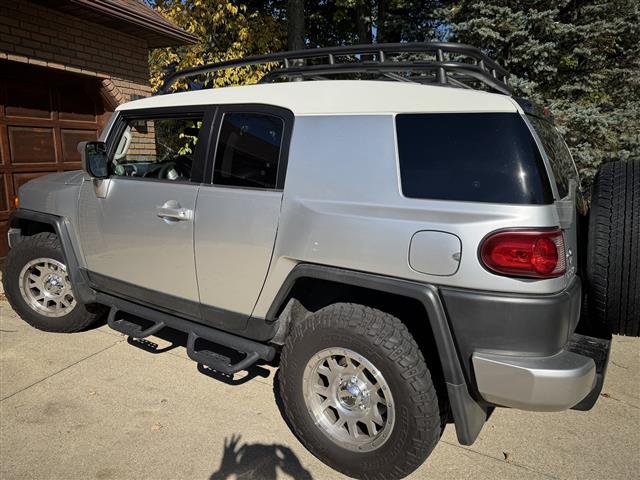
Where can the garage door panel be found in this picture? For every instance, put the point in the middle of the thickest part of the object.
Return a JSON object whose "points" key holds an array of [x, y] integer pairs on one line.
{"points": [[20, 179], [4, 190], [4, 241], [27, 100], [76, 105], [44, 114], [70, 140], [31, 145]]}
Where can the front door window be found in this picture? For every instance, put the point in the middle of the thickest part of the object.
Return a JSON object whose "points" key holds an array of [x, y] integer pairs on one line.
{"points": [[157, 148]]}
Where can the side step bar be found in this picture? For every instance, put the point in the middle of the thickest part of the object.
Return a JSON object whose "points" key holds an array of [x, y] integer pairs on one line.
{"points": [[253, 351]]}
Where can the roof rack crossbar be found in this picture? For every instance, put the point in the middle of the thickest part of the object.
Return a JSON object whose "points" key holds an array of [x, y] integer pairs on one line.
{"points": [[456, 72], [369, 58]]}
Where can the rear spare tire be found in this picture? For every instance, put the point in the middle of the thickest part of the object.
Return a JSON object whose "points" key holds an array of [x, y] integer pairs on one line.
{"points": [[614, 248]]}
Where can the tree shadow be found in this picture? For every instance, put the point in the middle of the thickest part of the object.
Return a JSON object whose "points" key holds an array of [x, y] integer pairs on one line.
{"points": [[258, 461]]}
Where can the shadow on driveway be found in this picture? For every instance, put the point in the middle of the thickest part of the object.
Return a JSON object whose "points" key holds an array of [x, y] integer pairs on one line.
{"points": [[258, 461]]}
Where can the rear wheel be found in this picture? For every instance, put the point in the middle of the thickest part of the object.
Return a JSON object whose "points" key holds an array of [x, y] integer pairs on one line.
{"points": [[613, 256], [357, 392], [37, 285]]}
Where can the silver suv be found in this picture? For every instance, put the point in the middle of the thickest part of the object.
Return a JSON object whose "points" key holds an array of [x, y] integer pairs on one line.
{"points": [[409, 242]]}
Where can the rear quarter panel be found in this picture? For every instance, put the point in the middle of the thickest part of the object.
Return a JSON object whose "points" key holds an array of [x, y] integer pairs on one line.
{"points": [[343, 207]]}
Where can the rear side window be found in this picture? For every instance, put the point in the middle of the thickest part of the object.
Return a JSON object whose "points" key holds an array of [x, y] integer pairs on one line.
{"points": [[248, 150], [474, 157], [564, 170]]}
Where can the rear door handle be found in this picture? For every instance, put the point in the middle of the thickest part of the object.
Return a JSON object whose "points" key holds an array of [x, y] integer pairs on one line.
{"points": [[174, 213]]}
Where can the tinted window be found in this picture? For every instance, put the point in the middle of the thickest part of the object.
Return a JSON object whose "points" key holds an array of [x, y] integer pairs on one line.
{"points": [[559, 157], [157, 148], [476, 157], [248, 150]]}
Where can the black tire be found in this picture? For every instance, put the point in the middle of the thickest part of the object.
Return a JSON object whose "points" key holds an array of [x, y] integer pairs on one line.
{"points": [[388, 345], [42, 245], [613, 256]]}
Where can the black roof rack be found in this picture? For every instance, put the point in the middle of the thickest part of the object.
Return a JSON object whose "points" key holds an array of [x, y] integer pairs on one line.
{"points": [[452, 64]]}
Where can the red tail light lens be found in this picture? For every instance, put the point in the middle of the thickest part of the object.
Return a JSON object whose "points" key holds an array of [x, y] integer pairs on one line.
{"points": [[525, 253]]}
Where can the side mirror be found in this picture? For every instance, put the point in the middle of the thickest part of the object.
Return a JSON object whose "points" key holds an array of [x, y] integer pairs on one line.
{"points": [[94, 158]]}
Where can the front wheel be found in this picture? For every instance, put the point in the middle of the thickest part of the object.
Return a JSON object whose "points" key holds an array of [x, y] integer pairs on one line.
{"points": [[36, 283], [358, 393]]}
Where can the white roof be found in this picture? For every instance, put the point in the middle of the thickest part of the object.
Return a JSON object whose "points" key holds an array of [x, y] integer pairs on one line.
{"points": [[341, 97]]}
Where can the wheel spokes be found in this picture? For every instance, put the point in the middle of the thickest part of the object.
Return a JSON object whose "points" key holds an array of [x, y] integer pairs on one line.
{"points": [[44, 285], [348, 396], [353, 428]]}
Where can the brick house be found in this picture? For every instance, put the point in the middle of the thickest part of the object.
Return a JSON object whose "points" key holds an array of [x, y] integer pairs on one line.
{"points": [[65, 65]]}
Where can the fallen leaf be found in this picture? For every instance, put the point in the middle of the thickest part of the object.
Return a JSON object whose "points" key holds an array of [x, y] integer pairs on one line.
{"points": [[507, 457], [156, 427], [605, 395]]}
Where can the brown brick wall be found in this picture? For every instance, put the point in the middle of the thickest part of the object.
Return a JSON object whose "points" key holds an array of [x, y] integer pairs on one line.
{"points": [[38, 35]]}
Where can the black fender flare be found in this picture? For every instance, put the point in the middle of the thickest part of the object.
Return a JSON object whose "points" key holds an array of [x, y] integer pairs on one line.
{"points": [[469, 416], [63, 228]]}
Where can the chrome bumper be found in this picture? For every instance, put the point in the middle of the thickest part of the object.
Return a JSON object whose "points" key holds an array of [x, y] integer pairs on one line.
{"points": [[544, 384]]}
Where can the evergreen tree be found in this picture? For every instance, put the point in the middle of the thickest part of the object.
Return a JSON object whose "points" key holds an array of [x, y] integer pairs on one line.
{"points": [[579, 57]]}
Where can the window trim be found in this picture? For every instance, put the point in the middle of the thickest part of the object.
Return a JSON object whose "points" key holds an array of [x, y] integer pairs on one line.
{"points": [[202, 147], [287, 118], [547, 160]]}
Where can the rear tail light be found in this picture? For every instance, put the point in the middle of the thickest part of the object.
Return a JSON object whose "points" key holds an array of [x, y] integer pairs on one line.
{"points": [[525, 253]]}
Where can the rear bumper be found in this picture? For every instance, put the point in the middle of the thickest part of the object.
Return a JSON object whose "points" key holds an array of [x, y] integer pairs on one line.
{"points": [[572, 376], [520, 351]]}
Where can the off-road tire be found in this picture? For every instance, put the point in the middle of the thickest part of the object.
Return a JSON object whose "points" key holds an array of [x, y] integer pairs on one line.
{"points": [[613, 257], [40, 245], [386, 342]]}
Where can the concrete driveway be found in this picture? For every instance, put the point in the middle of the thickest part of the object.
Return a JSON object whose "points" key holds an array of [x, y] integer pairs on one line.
{"points": [[89, 405]]}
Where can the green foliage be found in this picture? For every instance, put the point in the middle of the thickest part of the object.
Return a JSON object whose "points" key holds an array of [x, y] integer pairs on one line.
{"points": [[227, 30], [581, 58]]}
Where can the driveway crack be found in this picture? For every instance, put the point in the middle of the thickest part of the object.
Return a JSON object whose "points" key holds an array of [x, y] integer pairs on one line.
{"points": [[513, 464]]}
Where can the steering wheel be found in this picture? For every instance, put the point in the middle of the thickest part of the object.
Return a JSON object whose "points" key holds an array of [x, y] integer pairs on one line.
{"points": [[133, 170], [164, 170], [180, 164]]}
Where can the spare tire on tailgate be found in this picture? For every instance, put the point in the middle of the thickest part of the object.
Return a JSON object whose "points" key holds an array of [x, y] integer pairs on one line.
{"points": [[613, 256]]}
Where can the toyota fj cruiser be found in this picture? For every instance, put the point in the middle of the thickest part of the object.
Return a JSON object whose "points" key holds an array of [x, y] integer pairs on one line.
{"points": [[411, 240]]}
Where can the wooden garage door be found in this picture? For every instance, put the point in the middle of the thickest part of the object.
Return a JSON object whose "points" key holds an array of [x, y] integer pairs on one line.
{"points": [[43, 115]]}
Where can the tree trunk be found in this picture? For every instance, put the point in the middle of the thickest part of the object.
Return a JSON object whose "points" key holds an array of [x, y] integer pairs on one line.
{"points": [[363, 20], [295, 27], [381, 30]]}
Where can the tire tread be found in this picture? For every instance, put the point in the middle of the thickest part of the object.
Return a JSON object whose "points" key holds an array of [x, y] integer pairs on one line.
{"points": [[614, 248], [393, 337]]}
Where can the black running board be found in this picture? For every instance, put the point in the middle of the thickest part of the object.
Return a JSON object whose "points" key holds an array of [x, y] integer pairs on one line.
{"points": [[252, 350]]}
